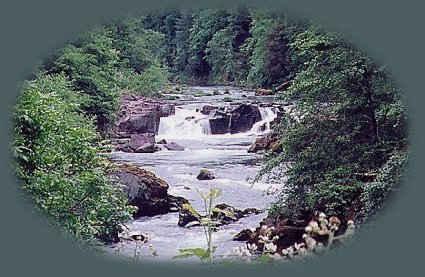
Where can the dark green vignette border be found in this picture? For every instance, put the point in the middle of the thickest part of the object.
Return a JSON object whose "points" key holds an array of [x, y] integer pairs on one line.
{"points": [[389, 31]]}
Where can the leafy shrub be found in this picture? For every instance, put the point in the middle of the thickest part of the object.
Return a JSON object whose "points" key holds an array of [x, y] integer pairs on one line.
{"points": [[59, 165], [150, 81], [375, 194]]}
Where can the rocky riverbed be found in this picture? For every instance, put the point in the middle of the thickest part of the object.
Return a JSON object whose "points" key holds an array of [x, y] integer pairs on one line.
{"points": [[163, 146]]}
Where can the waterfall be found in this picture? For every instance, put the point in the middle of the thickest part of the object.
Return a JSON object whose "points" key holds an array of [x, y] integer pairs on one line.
{"points": [[191, 124], [268, 114], [185, 123]]}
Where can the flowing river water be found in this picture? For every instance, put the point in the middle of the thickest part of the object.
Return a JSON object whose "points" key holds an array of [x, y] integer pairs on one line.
{"points": [[225, 156]]}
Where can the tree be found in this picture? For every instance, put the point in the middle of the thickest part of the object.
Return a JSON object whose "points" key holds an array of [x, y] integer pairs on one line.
{"points": [[223, 52], [92, 65], [58, 162], [205, 24], [338, 136]]}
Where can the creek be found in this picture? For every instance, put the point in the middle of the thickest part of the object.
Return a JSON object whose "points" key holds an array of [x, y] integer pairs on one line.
{"points": [[224, 155]]}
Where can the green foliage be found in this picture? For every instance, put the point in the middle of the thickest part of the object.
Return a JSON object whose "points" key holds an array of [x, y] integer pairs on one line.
{"points": [[57, 160], [268, 50], [198, 252], [91, 65], [377, 193], [207, 223], [223, 53], [347, 122], [147, 50], [344, 144], [149, 82], [204, 25]]}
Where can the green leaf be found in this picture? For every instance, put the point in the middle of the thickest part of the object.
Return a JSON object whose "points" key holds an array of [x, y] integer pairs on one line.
{"points": [[265, 259], [214, 193], [228, 262], [208, 222], [227, 212], [202, 194], [189, 252], [191, 210]]}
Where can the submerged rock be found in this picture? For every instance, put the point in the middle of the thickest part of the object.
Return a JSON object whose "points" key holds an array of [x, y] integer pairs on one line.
{"points": [[172, 146], [205, 175], [262, 91], [146, 191]]}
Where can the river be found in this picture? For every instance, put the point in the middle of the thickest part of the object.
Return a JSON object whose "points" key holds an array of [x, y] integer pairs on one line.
{"points": [[224, 155]]}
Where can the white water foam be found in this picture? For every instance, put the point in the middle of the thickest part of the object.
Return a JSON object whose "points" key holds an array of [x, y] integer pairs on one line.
{"points": [[192, 125]]}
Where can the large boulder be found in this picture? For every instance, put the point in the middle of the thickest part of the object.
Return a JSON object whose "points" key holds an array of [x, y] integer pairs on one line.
{"points": [[146, 191], [138, 121], [232, 119], [142, 143], [147, 122], [219, 122], [139, 114], [219, 125], [243, 118], [264, 143]]}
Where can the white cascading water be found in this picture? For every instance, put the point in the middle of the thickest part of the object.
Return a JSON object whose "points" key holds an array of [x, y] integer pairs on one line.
{"points": [[263, 126], [190, 124], [185, 123]]}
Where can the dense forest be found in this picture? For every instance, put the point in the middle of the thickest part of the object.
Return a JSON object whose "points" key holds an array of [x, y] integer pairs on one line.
{"points": [[343, 149]]}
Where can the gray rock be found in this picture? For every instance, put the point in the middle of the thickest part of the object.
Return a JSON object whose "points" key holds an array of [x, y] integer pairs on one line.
{"points": [[205, 175], [243, 118], [219, 123], [140, 123], [162, 141], [265, 143], [243, 235], [172, 146], [142, 143], [146, 191]]}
